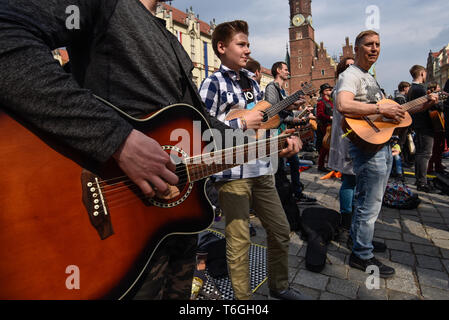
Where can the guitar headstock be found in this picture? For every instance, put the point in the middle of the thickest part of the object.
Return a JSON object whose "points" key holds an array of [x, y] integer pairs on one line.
{"points": [[307, 88], [442, 96]]}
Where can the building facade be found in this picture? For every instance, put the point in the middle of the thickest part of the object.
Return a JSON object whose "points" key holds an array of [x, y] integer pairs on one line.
{"points": [[438, 66], [195, 36], [309, 61]]}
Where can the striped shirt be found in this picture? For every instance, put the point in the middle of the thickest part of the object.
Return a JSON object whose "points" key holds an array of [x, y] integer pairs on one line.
{"points": [[221, 93]]}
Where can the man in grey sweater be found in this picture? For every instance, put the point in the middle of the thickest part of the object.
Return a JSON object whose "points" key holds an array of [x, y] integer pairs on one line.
{"points": [[121, 52]]}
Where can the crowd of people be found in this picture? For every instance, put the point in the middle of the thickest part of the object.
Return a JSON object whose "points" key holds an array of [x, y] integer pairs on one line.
{"points": [[163, 77]]}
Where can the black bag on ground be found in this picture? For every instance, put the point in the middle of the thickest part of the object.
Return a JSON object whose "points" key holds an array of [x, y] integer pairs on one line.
{"points": [[287, 197], [441, 182], [319, 227]]}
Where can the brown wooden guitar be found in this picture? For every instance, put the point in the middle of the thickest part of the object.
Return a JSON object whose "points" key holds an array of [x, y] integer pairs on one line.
{"points": [[437, 118], [67, 233], [271, 119], [371, 132], [327, 137]]}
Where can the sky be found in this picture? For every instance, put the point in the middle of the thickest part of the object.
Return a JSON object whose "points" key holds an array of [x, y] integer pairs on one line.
{"points": [[408, 29]]}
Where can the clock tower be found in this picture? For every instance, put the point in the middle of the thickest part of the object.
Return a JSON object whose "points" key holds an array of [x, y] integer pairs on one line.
{"points": [[302, 43]]}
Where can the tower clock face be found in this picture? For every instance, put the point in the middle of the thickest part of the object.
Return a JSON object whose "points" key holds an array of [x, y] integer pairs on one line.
{"points": [[309, 20], [298, 20]]}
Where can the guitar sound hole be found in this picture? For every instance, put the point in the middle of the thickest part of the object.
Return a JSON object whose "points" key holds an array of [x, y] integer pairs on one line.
{"points": [[179, 192]]}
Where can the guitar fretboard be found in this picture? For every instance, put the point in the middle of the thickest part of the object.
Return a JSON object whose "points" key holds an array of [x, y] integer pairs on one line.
{"points": [[278, 107], [414, 103], [205, 165]]}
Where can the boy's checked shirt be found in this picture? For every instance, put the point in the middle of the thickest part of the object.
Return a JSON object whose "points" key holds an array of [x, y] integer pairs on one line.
{"points": [[221, 93]]}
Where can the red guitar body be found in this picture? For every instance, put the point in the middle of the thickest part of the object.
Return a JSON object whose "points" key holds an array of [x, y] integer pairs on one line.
{"points": [[66, 233]]}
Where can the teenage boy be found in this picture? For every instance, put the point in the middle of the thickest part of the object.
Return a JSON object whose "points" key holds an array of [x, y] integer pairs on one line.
{"points": [[250, 185], [274, 93], [423, 127]]}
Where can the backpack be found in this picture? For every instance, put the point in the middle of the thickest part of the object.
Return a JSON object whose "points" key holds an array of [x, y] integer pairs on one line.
{"points": [[399, 196], [319, 227]]}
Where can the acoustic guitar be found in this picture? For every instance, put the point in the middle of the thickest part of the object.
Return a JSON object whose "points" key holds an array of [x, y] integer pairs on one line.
{"points": [[437, 118], [271, 119], [370, 133], [68, 233], [327, 137]]}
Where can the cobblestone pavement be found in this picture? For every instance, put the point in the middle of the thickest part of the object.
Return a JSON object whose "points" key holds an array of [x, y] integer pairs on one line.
{"points": [[417, 241]]}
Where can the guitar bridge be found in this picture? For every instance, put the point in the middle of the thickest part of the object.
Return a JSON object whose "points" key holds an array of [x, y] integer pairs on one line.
{"points": [[95, 204]]}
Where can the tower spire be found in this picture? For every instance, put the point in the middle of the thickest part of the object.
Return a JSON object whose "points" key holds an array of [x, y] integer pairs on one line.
{"points": [[287, 56]]}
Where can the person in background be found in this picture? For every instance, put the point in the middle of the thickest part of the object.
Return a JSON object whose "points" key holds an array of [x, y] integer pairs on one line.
{"points": [[401, 98], [339, 159], [274, 93], [250, 185], [255, 67], [324, 111], [422, 124], [401, 94], [435, 161]]}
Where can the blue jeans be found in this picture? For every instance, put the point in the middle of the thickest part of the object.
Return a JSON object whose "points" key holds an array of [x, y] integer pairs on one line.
{"points": [[398, 164], [347, 191], [372, 171]]}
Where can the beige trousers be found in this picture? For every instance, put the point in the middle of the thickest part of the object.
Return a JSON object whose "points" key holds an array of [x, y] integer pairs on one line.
{"points": [[236, 198]]}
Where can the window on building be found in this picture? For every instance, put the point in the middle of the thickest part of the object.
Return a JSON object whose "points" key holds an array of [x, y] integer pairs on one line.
{"points": [[299, 52], [192, 48], [300, 65], [298, 35], [300, 59], [322, 72]]}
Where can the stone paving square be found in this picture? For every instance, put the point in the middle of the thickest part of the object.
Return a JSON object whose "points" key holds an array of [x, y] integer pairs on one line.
{"points": [[417, 242]]}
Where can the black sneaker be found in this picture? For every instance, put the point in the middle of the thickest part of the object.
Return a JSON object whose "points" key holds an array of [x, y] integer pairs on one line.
{"points": [[427, 188], [289, 294], [384, 271], [305, 199], [378, 246]]}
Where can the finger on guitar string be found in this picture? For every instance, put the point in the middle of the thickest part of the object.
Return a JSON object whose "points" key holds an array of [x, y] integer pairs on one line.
{"points": [[144, 161]]}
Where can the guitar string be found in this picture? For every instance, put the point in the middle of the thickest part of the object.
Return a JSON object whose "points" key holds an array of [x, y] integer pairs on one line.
{"points": [[182, 172], [112, 187], [305, 90], [237, 151], [138, 195]]}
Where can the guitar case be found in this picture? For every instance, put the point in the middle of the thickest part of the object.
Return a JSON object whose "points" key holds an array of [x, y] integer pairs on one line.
{"points": [[319, 227]]}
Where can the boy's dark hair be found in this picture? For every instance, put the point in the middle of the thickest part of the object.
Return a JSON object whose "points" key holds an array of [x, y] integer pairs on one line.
{"points": [[253, 65], [402, 85], [416, 70], [275, 67], [342, 66], [225, 31]]}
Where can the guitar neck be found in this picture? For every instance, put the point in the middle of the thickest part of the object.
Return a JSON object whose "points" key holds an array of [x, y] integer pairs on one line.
{"points": [[205, 165], [409, 106], [278, 107]]}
